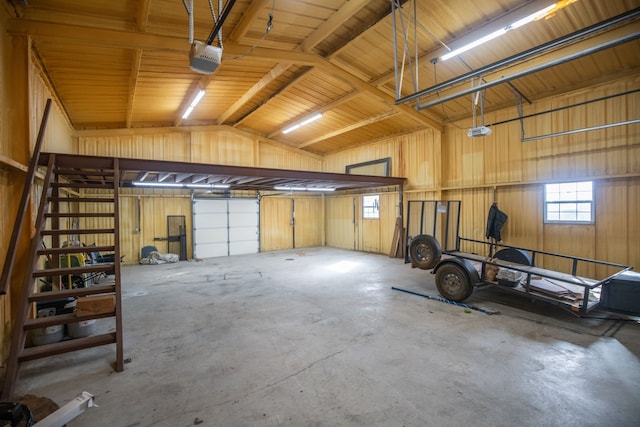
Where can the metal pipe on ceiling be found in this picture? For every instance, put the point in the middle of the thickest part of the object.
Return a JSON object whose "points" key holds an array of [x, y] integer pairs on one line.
{"points": [[572, 131], [594, 49], [585, 32], [566, 107]]}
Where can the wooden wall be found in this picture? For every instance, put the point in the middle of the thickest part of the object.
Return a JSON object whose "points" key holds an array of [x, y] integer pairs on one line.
{"points": [[415, 156], [291, 221], [23, 95], [500, 166], [216, 145]]}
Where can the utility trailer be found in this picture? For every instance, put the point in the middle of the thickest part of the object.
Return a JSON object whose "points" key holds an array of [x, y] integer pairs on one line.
{"points": [[460, 264]]}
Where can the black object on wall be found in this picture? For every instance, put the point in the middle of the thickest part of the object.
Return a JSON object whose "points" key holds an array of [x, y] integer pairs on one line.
{"points": [[177, 235]]}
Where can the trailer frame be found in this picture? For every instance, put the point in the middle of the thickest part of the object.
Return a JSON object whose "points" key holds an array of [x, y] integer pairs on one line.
{"points": [[439, 220]]}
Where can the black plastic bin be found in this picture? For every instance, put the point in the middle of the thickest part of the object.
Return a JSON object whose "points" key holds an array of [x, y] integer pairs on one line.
{"points": [[62, 305], [622, 294]]}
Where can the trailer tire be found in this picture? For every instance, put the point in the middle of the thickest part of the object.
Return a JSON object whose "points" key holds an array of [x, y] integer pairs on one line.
{"points": [[453, 282], [424, 251]]}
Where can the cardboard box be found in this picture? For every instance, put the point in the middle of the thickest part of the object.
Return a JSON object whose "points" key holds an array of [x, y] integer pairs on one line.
{"points": [[95, 304]]}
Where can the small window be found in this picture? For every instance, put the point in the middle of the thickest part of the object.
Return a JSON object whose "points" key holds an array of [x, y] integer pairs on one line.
{"points": [[569, 202], [371, 207]]}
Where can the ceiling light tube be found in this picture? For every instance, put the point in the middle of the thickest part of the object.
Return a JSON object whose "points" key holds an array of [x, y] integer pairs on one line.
{"points": [[288, 188], [302, 123], [157, 184], [320, 189], [517, 24], [193, 104], [177, 185]]}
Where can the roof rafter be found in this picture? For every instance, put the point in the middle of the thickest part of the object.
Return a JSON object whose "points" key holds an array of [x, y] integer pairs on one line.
{"points": [[129, 39], [365, 122]]}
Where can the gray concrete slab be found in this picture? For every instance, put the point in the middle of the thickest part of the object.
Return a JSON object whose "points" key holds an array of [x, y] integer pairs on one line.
{"points": [[316, 337]]}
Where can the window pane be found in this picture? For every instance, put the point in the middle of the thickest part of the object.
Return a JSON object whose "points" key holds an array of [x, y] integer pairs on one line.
{"points": [[371, 207], [567, 216], [585, 186], [552, 192], [569, 202], [584, 216], [584, 195]]}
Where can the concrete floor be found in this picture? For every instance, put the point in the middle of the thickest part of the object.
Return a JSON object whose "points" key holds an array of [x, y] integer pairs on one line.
{"points": [[317, 337]]}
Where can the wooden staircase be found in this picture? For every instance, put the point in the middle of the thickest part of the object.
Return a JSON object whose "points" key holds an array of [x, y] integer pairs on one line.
{"points": [[65, 184]]}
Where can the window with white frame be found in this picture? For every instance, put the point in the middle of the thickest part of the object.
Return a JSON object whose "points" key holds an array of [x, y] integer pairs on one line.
{"points": [[569, 202], [371, 207]]}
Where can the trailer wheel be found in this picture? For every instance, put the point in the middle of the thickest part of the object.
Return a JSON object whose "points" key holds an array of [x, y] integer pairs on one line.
{"points": [[453, 282], [424, 251]]}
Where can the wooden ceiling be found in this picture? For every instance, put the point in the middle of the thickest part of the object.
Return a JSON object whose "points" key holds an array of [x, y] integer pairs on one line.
{"points": [[118, 64]]}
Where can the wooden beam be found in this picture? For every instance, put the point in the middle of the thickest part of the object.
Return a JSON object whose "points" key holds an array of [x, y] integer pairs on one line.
{"points": [[248, 17], [367, 26], [314, 38], [273, 74], [351, 127], [336, 20], [134, 40], [144, 6], [345, 98], [76, 34], [142, 20], [272, 97], [133, 83], [6, 161]]}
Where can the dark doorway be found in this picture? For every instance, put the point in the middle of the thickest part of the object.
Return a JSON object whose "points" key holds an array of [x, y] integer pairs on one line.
{"points": [[177, 235]]}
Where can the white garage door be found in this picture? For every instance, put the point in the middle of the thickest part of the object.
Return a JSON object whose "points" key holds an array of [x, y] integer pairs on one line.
{"points": [[223, 227]]}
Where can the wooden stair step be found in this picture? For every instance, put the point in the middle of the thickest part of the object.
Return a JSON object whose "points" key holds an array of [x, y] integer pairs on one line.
{"points": [[76, 250], [82, 199], [61, 319], [80, 215], [83, 171], [66, 293], [82, 231], [75, 271], [103, 185], [40, 351]]}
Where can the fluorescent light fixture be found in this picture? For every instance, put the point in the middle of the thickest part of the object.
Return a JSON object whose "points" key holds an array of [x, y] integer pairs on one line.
{"points": [[320, 189], [193, 104], [289, 188], [178, 185], [302, 123], [533, 17], [157, 184], [207, 186], [517, 24]]}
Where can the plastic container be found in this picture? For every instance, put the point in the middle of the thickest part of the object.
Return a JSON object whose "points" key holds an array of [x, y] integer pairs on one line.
{"points": [[50, 334], [81, 329]]}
